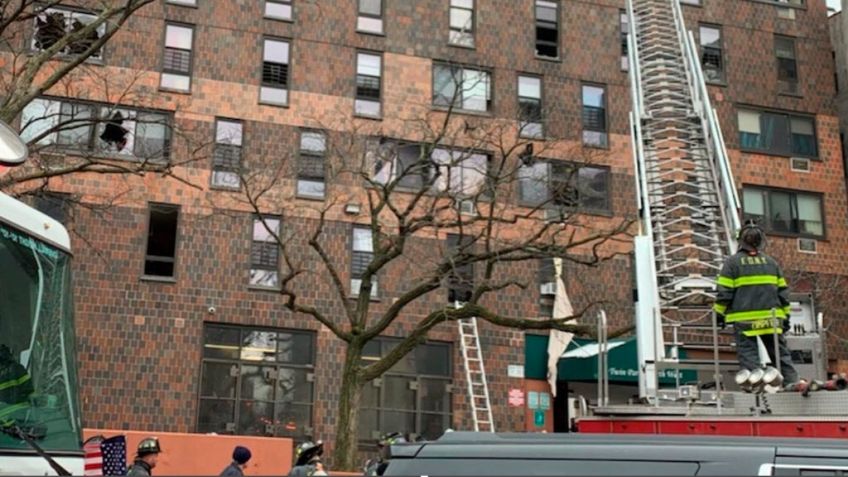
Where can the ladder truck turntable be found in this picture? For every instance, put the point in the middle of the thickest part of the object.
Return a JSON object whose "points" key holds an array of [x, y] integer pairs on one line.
{"points": [[689, 212]]}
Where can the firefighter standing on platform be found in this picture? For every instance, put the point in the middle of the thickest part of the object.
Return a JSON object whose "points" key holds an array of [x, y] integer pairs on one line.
{"points": [[751, 287]]}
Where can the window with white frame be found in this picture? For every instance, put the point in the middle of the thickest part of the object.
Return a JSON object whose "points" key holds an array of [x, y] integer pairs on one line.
{"points": [[176, 59], [778, 133], [461, 88], [97, 128], [624, 31], [461, 173], [530, 106], [278, 9], [462, 23], [311, 166], [712, 58], [369, 72], [370, 18], [362, 253], [52, 24], [226, 160], [265, 253], [275, 73]]}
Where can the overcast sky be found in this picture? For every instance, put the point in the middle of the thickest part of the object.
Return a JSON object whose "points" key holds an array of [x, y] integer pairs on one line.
{"points": [[834, 4]]}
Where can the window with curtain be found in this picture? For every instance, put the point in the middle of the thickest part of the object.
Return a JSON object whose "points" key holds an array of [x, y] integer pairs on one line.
{"points": [[784, 211], [712, 58], [461, 88], [777, 133]]}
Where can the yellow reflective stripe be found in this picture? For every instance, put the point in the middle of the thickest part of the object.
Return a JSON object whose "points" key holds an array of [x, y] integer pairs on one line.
{"points": [[754, 315], [764, 331], [719, 308], [756, 280], [14, 382], [725, 282], [781, 282], [13, 408], [787, 309]]}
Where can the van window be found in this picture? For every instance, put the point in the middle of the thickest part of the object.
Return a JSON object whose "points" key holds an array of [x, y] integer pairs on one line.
{"points": [[495, 467]]}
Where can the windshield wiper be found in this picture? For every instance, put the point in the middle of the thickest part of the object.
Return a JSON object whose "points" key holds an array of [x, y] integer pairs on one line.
{"points": [[15, 430]]}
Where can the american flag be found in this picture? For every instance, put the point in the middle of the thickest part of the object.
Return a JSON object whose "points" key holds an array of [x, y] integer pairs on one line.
{"points": [[106, 456]]}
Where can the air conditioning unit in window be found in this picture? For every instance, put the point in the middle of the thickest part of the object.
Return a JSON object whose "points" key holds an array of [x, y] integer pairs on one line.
{"points": [[467, 207], [807, 245], [800, 164], [547, 289]]}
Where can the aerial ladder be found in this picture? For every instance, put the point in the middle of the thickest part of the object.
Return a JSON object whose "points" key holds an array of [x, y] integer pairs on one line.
{"points": [[687, 198]]}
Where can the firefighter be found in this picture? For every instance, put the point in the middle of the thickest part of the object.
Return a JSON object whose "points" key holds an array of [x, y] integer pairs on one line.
{"points": [[15, 388], [308, 460], [751, 287], [145, 458], [378, 466]]}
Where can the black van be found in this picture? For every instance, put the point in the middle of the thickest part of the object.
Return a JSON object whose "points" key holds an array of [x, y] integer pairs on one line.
{"points": [[471, 453]]}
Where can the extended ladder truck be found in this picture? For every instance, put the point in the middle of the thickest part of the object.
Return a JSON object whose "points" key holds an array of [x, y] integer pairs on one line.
{"points": [[689, 213]]}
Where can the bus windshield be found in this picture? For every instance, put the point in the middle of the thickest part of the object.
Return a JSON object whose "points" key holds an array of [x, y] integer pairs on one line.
{"points": [[38, 376]]}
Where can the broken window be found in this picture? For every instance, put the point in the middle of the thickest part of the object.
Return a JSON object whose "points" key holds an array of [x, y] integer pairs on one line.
{"points": [[160, 258], [52, 24]]}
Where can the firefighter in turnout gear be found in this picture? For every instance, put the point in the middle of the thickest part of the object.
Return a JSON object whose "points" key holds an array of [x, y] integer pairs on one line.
{"points": [[751, 287], [15, 388], [308, 460], [146, 458], [378, 466]]}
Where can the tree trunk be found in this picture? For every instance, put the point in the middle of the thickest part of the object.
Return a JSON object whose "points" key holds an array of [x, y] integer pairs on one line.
{"points": [[347, 426]]}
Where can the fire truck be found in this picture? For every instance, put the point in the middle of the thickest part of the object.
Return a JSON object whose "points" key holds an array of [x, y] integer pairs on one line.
{"points": [[689, 211], [40, 425]]}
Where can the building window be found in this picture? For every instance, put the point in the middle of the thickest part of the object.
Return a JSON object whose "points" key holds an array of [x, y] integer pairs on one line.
{"points": [[784, 211], [777, 133], [461, 173], [624, 29], [176, 60], [161, 251], [414, 397], [461, 88], [256, 382], [594, 116], [275, 73], [547, 287], [362, 253], [369, 71], [52, 24], [265, 253], [278, 9], [547, 29], [370, 19], [787, 66], [530, 106], [460, 281], [54, 205], [462, 23], [564, 185], [712, 60], [311, 166], [226, 161], [94, 128]]}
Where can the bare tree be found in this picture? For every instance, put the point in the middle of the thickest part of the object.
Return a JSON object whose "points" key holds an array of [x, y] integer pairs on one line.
{"points": [[453, 176], [75, 114]]}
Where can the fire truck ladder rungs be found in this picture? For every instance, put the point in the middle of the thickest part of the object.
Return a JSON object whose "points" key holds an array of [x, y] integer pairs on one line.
{"points": [[475, 376], [687, 199]]}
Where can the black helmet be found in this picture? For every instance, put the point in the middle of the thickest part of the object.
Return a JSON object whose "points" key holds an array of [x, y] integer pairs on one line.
{"points": [[148, 445], [751, 234], [308, 451]]}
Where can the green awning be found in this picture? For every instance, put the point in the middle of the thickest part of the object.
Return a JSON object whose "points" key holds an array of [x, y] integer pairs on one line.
{"points": [[579, 363]]}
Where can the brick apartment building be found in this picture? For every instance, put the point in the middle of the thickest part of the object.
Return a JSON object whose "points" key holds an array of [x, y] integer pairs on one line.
{"points": [[175, 319]]}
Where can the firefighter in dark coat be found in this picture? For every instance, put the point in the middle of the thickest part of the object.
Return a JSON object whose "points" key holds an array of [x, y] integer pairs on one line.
{"points": [[751, 288]]}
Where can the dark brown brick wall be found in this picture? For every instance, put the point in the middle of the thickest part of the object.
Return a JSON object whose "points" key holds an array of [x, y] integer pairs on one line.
{"points": [[150, 333]]}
